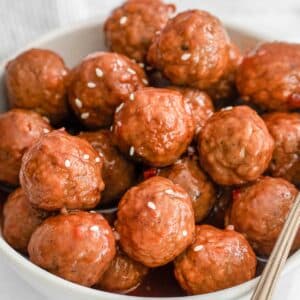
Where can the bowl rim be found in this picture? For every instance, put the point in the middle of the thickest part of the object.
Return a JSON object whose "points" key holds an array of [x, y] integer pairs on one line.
{"points": [[18, 260]]}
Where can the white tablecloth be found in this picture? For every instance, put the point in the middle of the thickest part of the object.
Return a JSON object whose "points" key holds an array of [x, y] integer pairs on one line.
{"points": [[22, 21]]}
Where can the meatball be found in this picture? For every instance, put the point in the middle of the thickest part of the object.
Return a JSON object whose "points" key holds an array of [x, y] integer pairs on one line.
{"points": [[78, 247], [123, 275], [217, 259], [20, 220], [131, 27], [187, 173], [285, 129], [225, 88], [200, 104], [259, 212], [269, 76], [118, 173], [62, 171], [100, 83], [156, 127], [155, 221], [19, 130], [37, 79], [235, 146], [192, 50]]}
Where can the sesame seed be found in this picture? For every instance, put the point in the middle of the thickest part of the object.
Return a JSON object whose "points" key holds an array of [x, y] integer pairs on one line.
{"points": [[78, 103], [111, 128], [85, 115], [151, 205], [242, 153], [131, 96], [67, 163], [91, 85], [173, 193], [119, 63], [86, 156], [230, 227], [119, 124], [200, 101], [123, 20], [145, 81], [100, 154], [93, 212], [131, 151], [94, 228], [64, 72], [99, 72], [197, 131], [184, 233], [142, 65], [227, 108], [131, 71], [46, 130], [157, 32], [46, 119], [97, 159], [198, 248], [119, 107], [179, 161], [186, 56]]}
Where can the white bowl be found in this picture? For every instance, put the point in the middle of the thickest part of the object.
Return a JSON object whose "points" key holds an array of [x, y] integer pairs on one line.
{"points": [[73, 44]]}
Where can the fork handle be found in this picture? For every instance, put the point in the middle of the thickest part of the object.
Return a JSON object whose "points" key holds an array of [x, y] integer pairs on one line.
{"points": [[279, 255]]}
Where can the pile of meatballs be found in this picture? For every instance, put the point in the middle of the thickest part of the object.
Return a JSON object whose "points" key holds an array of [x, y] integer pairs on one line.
{"points": [[175, 128]]}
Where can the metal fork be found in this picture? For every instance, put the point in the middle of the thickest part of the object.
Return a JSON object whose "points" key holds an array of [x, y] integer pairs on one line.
{"points": [[279, 255]]}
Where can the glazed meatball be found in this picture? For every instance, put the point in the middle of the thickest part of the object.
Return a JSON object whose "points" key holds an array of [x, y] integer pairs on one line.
{"points": [[100, 83], [37, 79], [155, 221], [269, 76], [123, 275], [217, 259], [156, 127], [131, 27], [19, 130], [78, 247], [200, 104], [192, 50], [118, 173], [20, 220], [225, 88], [259, 212], [285, 129], [62, 171], [187, 173], [235, 146]]}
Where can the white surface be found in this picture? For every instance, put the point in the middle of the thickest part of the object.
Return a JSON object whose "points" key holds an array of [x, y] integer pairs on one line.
{"points": [[21, 21]]}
